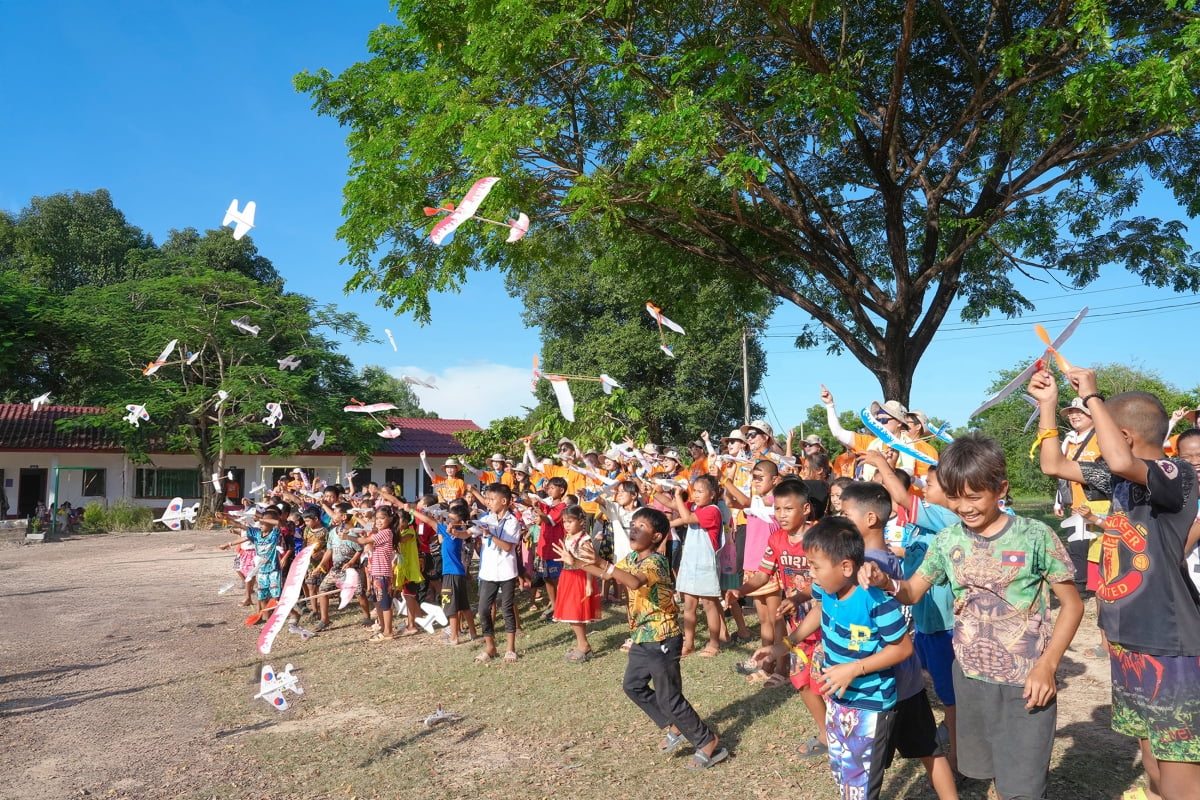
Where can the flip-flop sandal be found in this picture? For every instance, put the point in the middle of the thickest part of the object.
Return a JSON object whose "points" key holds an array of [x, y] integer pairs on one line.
{"points": [[627, 646], [708, 652], [747, 667], [578, 656], [775, 680], [410, 631], [485, 657], [701, 761], [812, 748], [510, 657], [320, 626], [379, 637], [740, 639], [671, 743], [758, 676]]}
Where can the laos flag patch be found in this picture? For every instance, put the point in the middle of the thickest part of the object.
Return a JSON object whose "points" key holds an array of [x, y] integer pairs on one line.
{"points": [[1013, 558]]}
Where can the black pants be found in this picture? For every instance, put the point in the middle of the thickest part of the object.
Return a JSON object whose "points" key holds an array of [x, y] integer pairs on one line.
{"points": [[658, 662], [487, 598]]}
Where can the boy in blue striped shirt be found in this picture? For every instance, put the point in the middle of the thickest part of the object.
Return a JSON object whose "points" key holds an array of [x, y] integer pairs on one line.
{"points": [[865, 634]]}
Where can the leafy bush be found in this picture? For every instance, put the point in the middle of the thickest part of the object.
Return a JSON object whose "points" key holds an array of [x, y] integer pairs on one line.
{"points": [[95, 518], [125, 516]]}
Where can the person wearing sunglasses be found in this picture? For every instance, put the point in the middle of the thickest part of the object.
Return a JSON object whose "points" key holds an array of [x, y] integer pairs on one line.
{"points": [[890, 415]]}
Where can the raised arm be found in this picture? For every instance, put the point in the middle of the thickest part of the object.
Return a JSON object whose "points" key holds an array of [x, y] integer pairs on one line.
{"points": [[835, 427], [1044, 389]]}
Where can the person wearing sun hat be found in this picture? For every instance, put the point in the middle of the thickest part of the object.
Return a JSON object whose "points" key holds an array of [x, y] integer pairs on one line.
{"points": [[761, 439], [498, 472], [916, 426], [449, 487], [891, 415]]}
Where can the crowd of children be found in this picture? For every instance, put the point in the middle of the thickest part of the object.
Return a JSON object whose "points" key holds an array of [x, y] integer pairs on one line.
{"points": [[865, 573]]}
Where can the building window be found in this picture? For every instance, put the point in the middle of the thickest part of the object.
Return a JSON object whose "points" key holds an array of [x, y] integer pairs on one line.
{"points": [[167, 483], [93, 482]]}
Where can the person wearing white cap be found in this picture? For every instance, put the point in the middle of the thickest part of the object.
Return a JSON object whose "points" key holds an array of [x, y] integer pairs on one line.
{"points": [[890, 415]]}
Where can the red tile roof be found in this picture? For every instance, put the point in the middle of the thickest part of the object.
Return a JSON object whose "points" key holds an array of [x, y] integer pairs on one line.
{"points": [[434, 436], [22, 428]]}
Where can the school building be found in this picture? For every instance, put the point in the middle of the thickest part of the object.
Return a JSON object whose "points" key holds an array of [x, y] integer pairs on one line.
{"points": [[43, 464]]}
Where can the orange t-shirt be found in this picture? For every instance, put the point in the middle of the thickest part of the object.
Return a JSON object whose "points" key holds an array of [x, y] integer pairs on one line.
{"points": [[449, 489]]}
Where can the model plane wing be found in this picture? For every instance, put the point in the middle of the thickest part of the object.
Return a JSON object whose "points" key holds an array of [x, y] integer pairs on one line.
{"points": [[242, 219]]}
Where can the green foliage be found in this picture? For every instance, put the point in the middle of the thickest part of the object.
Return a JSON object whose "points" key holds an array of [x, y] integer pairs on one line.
{"points": [[870, 163], [589, 304], [95, 518], [502, 436], [64, 241], [121, 516]]}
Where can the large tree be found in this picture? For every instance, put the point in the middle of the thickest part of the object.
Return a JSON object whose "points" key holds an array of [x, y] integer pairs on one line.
{"points": [[110, 333], [589, 304], [870, 162]]}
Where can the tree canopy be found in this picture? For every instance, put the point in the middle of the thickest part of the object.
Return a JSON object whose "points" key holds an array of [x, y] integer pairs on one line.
{"points": [[84, 327], [869, 162]]}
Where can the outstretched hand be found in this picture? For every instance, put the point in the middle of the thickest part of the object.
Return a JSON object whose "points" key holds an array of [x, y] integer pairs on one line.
{"points": [[826, 396], [869, 574]]}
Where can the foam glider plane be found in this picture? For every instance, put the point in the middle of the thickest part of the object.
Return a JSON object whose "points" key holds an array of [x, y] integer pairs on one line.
{"points": [[40, 401], [272, 686], [359, 407], [243, 324], [663, 322], [137, 414], [176, 514], [414, 381], [243, 219], [274, 414], [1052, 346], [517, 228]]}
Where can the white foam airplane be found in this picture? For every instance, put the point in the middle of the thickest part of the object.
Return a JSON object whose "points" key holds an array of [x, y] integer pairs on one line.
{"points": [[291, 362], [391, 339], [389, 433], [153, 366], [243, 324], [136, 414], [272, 686], [275, 414], [426, 382], [242, 220], [176, 514], [221, 397], [316, 439], [40, 401], [432, 614], [216, 481]]}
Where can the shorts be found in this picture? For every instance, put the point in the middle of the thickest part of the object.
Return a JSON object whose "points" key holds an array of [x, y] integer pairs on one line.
{"points": [[431, 566], [858, 742], [914, 731], [804, 664], [1157, 698], [269, 584], [936, 652], [454, 594], [406, 588], [998, 738], [335, 577], [381, 591], [314, 577], [549, 568]]}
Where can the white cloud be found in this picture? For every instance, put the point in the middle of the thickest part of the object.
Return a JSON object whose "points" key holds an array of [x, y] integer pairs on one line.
{"points": [[480, 391]]}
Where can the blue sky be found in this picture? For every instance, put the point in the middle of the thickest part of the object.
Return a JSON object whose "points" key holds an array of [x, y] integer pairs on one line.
{"points": [[178, 108]]}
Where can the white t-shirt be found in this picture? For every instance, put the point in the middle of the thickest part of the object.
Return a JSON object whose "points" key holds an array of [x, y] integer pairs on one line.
{"points": [[496, 564]]}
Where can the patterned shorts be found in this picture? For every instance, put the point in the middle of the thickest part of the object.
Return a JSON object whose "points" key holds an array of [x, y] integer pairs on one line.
{"points": [[1157, 698], [858, 744]]}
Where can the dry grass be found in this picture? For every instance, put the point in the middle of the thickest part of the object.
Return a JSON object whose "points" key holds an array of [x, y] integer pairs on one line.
{"points": [[547, 728]]}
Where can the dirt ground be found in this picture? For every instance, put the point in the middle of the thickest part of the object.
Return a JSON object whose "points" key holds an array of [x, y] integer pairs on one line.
{"points": [[125, 675], [105, 640]]}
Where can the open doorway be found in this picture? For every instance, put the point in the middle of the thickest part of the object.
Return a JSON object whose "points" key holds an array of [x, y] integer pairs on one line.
{"points": [[31, 490]]}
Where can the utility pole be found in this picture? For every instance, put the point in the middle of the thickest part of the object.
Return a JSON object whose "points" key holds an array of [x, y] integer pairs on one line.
{"points": [[745, 381]]}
